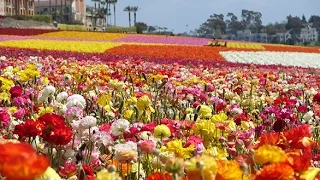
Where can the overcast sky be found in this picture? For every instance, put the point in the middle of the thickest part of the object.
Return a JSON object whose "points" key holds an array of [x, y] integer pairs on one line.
{"points": [[176, 14]]}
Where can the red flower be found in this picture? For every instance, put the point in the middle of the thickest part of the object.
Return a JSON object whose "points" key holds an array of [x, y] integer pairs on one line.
{"points": [[58, 136], [21, 162], [52, 120], [69, 169], [88, 170], [158, 176], [294, 136], [302, 108], [55, 130], [271, 138], [316, 98], [299, 159], [30, 128], [16, 91]]}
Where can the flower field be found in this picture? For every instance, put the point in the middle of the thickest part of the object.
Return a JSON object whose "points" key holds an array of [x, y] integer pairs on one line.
{"points": [[89, 105]]}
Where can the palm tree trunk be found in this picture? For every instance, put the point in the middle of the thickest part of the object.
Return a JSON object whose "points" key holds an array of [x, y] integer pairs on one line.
{"points": [[61, 12], [49, 8], [64, 11], [135, 17], [114, 14], [56, 10], [26, 7], [129, 19], [39, 9], [94, 14]]}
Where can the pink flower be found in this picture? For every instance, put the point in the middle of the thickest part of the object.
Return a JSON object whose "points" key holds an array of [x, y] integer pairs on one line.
{"points": [[146, 146], [19, 114], [194, 140], [4, 118]]}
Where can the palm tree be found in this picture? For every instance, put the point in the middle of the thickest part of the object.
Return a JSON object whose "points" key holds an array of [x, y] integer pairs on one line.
{"points": [[128, 9], [114, 2], [135, 9]]}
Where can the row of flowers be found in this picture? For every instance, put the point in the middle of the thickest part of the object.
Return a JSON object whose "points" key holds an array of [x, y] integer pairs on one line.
{"points": [[134, 119], [76, 46], [242, 45], [279, 58], [24, 32]]}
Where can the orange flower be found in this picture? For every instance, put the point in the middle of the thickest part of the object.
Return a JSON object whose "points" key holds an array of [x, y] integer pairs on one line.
{"points": [[228, 170], [158, 176], [278, 171], [19, 161], [269, 138]]}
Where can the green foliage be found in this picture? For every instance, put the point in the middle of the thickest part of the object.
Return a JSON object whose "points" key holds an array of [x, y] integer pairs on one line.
{"points": [[118, 29], [141, 27], [70, 27], [40, 18]]}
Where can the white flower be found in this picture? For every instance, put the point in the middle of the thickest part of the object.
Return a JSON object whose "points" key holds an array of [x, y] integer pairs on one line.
{"points": [[76, 100], [308, 116], [126, 147], [88, 122], [42, 99], [48, 91], [277, 58], [103, 137], [75, 124], [62, 96], [119, 126], [3, 58]]}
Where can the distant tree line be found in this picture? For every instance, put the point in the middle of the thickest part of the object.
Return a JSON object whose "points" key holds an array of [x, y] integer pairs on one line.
{"points": [[218, 24]]}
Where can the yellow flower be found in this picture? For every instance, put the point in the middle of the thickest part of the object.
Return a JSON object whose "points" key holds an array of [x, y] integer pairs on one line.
{"points": [[157, 77], [131, 101], [205, 128], [104, 99], [229, 170], [310, 174], [5, 96], [162, 131], [106, 175], [269, 154], [29, 73], [50, 174], [221, 117], [209, 168], [83, 35], [77, 46], [116, 84], [127, 114], [218, 153], [144, 103], [45, 110], [45, 81], [177, 148], [204, 111]]}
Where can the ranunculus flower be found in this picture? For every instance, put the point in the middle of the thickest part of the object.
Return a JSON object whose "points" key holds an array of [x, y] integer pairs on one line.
{"points": [[4, 118], [119, 126], [21, 162], [16, 91], [146, 146]]}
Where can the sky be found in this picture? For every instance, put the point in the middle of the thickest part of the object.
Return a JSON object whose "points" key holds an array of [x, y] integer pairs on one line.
{"points": [[177, 14]]}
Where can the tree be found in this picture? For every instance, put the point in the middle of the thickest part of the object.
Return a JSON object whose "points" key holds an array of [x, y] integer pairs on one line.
{"points": [[217, 33], [135, 9], [304, 20], [294, 23], [315, 20], [208, 28], [252, 20], [151, 28], [114, 2], [128, 9], [141, 27]]}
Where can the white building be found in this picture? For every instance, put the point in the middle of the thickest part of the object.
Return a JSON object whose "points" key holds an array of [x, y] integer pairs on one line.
{"points": [[63, 10], [309, 34]]}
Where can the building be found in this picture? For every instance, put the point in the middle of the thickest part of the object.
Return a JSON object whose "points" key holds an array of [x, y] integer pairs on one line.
{"points": [[16, 7], [244, 35], [63, 10], [92, 18], [309, 34], [259, 37]]}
